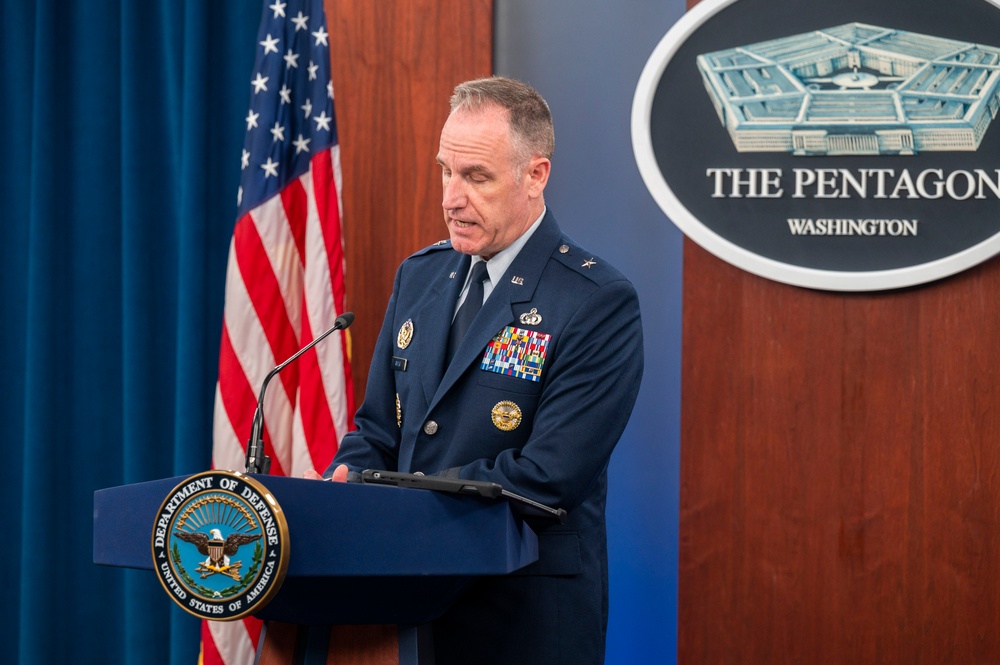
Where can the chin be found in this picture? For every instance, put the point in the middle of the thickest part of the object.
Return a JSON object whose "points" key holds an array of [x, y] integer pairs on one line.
{"points": [[463, 245], [464, 248]]}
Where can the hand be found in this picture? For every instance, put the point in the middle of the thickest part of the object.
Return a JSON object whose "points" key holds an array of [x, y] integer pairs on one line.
{"points": [[339, 474]]}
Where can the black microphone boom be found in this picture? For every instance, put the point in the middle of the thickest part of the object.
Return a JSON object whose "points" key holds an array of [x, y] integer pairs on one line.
{"points": [[256, 460]]}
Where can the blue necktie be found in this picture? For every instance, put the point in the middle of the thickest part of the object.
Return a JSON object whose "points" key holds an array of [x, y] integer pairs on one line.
{"points": [[467, 312]]}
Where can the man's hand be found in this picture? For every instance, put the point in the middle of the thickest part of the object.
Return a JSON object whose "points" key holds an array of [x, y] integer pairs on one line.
{"points": [[339, 474]]}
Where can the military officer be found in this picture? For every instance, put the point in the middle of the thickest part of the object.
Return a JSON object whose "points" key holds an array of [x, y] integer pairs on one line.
{"points": [[511, 354]]}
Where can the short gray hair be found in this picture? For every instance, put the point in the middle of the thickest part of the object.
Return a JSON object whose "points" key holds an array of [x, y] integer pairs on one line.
{"points": [[528, 114]]}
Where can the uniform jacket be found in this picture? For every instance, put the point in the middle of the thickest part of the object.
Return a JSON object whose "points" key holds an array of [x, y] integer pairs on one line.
{"points": [[572, 401]]}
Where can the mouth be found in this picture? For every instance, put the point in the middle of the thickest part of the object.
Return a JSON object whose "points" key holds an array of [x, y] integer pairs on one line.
{"points": [[461, 224]]}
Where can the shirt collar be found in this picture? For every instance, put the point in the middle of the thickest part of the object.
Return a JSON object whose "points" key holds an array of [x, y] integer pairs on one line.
{"points": [[498, 265]]}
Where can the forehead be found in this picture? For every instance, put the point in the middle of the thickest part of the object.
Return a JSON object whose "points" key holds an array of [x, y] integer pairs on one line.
{"points": [[479, 137]]}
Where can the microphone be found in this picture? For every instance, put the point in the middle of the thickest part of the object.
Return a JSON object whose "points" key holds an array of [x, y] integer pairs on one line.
{"points": [[256, 460]]}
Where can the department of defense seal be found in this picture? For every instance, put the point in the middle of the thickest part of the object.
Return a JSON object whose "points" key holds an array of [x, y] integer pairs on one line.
{"points": [[506, 415], [220, 545]]}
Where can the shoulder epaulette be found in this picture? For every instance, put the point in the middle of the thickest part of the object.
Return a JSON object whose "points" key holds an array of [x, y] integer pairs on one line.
{"points": [[582, 261], [439, 245]]}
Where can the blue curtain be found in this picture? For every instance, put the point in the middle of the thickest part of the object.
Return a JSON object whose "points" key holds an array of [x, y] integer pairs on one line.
{"points": [[123, 123]]}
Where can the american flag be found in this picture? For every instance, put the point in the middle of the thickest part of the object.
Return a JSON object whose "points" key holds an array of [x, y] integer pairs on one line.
{"points": [[285, 280]]}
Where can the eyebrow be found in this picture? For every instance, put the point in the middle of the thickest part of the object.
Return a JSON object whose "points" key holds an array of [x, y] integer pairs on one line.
{"points": [[475, 168]]}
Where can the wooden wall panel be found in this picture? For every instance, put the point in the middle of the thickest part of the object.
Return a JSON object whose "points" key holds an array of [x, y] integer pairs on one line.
{"points": [[394, 65], [840, 471]]}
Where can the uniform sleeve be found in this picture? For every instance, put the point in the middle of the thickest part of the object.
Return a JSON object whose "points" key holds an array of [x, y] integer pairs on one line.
{"points": [[374, 444], [584, 407]]}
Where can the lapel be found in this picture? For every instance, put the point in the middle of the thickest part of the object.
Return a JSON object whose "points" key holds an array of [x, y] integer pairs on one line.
{"points": [[435, 313], [498, 310]]}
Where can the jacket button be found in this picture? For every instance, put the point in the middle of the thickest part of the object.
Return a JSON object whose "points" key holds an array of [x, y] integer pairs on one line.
{"points": [[430, 428]]}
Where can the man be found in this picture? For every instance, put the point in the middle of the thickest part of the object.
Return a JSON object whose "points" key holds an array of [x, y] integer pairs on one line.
{"points": [[533, 396]]}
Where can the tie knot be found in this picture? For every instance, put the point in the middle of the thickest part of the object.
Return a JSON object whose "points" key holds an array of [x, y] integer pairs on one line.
{"points": [[467, 312], [479, 274]]}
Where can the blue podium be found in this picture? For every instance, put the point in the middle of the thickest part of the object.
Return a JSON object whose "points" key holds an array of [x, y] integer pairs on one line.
{"points": [[369, 566]]}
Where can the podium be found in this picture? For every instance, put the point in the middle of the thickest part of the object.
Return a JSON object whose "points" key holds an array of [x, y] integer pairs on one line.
{"points": [[369, 566]]}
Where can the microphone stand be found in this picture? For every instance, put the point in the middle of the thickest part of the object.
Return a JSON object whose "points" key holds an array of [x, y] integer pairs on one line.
{"points": [[256, 460]]}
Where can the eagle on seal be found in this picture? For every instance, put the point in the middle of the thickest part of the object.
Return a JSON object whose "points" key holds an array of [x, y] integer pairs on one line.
{"points": [[212, 545]]}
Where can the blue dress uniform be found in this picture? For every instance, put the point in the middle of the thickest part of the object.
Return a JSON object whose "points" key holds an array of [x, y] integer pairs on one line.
{"points": [[535, 398]]}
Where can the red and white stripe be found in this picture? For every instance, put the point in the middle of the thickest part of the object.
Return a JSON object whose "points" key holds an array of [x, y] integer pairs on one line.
{"points": [[284, 286]]}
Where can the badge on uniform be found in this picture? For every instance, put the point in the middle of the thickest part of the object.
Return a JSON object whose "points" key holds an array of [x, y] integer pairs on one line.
{"points": [[517, 352], [405, 334], [506, 416], [532, 318]]}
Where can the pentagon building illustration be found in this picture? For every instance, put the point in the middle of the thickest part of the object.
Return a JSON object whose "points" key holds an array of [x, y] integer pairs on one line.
{"points": [[855, 89]]}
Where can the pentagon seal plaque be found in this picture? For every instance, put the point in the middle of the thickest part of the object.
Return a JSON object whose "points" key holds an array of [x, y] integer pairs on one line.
{"points": [[220, 545]]}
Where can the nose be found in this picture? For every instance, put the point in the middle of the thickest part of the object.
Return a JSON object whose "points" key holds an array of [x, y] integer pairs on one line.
{"points": [[453, 195]]}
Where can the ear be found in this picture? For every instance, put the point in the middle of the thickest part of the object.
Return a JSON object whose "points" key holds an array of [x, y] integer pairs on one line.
{"points": [[537, 176]]}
